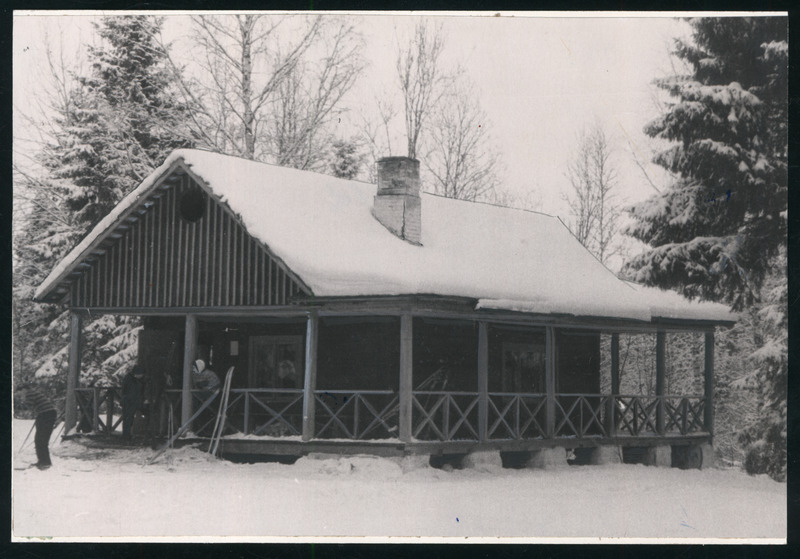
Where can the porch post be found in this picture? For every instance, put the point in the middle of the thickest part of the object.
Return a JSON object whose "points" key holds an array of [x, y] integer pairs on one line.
{"points": [[405, 393], [708, 413], [189, 352], [310, 382], [483, 381], [611, 422], [661, 339], [71, 403], [550, 382]]}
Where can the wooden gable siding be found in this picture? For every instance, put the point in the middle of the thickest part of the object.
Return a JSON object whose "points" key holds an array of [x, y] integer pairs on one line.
{"points": [[158, 259]]}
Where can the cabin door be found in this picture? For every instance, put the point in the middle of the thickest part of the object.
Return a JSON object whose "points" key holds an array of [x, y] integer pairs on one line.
{"points": [[275, 362]]}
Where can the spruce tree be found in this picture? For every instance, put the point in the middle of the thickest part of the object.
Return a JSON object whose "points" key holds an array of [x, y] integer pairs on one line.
{"points": [[719, 232], [714, 231], [345, 160], [121, 122], [125, 123]]}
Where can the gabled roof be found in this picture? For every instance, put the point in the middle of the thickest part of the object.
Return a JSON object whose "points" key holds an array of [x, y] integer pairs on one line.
{"points": [[323, 229]]}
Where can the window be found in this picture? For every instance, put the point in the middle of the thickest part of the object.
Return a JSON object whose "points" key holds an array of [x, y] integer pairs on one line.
{"points": [[192, 205]]}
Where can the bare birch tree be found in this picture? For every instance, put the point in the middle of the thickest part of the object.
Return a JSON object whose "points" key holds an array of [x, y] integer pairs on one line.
{"points": [[461, 161], [376, 135], [309, 99], [245, 63], [269, 85], [593, 176], [422, 80]]}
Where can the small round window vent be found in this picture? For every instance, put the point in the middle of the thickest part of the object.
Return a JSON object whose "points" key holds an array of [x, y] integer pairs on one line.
{"points": [[193, 204]]}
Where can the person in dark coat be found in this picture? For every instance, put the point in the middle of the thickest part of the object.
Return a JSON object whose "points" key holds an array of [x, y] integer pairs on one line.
{"points": [[45, 412], [132, 398]]}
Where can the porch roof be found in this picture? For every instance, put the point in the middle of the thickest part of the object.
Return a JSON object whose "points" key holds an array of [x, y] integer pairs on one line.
{"points": [[322, 227]]}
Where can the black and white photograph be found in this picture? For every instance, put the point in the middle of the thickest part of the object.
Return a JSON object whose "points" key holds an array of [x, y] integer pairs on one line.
{"points": [[515, 277]]}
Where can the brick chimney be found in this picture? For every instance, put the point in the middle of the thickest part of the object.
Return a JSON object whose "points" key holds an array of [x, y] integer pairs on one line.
{"points": [[397, 204]]}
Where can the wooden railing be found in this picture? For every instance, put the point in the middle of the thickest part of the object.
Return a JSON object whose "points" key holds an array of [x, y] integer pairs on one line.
{"points": [[516, 416], [581, 415], [436, 415], [257, 411], [99, 409], [272, 412], [445, 416], [356, 414], [636, 415], [684, 414]]}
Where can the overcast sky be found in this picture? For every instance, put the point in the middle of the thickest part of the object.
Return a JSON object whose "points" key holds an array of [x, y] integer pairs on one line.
{"points": [[540, 80]]}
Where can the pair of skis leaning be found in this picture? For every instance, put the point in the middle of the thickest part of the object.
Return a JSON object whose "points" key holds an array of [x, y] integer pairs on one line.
{"points": [[222, 415], [218, 426]]}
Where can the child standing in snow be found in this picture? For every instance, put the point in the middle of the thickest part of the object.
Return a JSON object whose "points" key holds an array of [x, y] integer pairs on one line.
{"points": [[45, 413]]}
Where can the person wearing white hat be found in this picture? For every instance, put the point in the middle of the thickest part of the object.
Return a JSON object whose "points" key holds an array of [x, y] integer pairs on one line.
{"points": [[204, 378]]}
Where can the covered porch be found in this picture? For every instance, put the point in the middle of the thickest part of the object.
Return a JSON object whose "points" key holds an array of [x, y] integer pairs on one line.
{"points": [[412, 380]]}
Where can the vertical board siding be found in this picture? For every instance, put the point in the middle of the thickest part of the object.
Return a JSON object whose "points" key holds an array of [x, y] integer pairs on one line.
{"points": [[161, 260]]}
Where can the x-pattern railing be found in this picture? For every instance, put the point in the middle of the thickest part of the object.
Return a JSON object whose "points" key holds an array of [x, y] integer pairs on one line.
{"points": [[580, 415], [636, 414], [437, 415], [90, 401], [516, 416], [457, 427], [283, 410], [684, 414], [356, 414]]}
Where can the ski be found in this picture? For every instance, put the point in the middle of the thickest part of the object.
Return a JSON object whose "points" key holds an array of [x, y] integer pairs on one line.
{"points": [[219, 424], [183, 428]]}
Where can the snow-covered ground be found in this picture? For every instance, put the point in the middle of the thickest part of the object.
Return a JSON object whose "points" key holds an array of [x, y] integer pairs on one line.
{"points": [[186, 495]]}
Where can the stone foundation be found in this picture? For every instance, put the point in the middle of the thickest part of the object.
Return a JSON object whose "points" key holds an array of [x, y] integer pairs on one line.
{"points": [[549, 458], [483, 460], [709, 456], [606, 455], [660, 456], [694, 456]]}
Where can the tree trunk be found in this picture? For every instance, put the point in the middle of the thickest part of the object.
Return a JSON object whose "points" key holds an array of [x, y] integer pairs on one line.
{"points": [[249, 118]]}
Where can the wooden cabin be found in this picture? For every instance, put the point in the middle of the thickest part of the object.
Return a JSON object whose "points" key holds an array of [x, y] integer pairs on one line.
{"points": [[373, 319]]}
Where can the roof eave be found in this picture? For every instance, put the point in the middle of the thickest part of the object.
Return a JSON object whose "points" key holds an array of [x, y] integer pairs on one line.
{"points": [[44, 293]]}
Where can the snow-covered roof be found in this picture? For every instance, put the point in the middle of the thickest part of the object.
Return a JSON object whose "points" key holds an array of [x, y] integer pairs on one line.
{"points": [[323, 229]]}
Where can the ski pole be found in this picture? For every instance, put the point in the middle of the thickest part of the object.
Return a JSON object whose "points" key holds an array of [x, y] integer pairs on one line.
{"points": [[58, 438]]}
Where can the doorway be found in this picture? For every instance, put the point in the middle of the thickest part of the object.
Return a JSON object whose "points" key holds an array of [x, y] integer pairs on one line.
{"points": [[275, 362]]}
